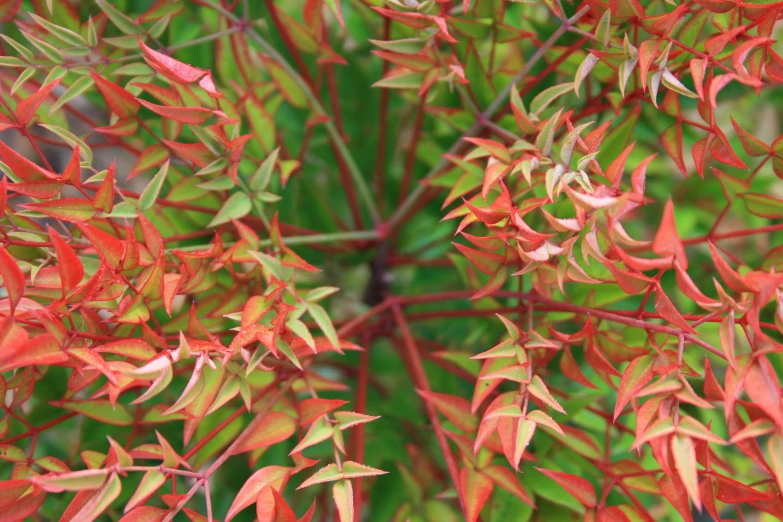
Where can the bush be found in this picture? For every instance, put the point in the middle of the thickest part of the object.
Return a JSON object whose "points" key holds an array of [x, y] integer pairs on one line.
{"points": [[187, 184]]}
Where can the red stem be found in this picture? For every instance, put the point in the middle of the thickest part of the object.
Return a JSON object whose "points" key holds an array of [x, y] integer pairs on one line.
{"points": [[420, 381]]}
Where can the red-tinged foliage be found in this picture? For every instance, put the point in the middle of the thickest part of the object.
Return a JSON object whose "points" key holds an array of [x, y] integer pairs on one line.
{"points": [[185, 189], [580, 488]]}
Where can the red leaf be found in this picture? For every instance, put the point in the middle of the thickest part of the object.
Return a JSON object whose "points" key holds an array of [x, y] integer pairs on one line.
{"points": [[667, 241], [503, 477], [71, 269], [487, 262], [571, 369], [732, 492], [311, 409], [308, 517], [208, 85], [25, 507], [274, 476], [629, 282], [763, 387], [674, 491], [667, 310], [172, 69], [615, 171], [21, 166], [613, 513], [283, 512], [275, 427], [8, 9], [752, 145], [672, 142], [145, 514], [636, 376], [456, 409], [41, 350], [27, 107], [415, 20], [496, 149], [104, 196], [108, 247], [42, 189], [689, 288], [13, 278], [121, 102], [476, 489], [721, 150], [198, 153], [580, 488], [188, 115], [732, 279], [74, 210]]}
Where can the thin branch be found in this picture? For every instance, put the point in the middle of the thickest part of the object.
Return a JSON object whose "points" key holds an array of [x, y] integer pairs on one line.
{"points": [[396, 219], [334, 133], [421, 382]]}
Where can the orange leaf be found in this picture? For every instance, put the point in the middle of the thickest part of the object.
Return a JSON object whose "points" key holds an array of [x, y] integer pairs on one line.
{"points": [[476, 489], [27, 107], [121, 102], [636, 376], [456, 409], [667, 241], [580, 488], [104, 196], [275, 427], [13, 278], [74, 210], [41, 350], [172, 69]]}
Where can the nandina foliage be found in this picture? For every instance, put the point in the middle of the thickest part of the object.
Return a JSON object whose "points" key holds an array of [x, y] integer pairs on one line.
{"points": [[226, 248]]}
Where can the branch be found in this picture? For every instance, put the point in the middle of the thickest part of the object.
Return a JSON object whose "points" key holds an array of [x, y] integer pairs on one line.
{"points": [[421, 382], [334, 134], [481, 123]]}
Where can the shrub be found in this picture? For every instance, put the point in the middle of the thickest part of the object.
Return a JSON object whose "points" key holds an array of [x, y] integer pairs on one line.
{"points": [[187, 184]]}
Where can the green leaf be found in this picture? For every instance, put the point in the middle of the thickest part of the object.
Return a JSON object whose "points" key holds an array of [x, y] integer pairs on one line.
{"points": [[48, 49], [150, 483], [69, 138], [763, 205], [672, 83], [342, 493], [684, 455], [12, 453], [547, 135], [123, 23], [318, 432], [403, 46], [323, 321], [101, 500], [11, 61], [547, 96], [584, 70], [270, 263], [27, 55], [152, 191], [288, 85], [76, 89], [237, 206], [66, 35], [604, 27], [263, 175], [26, 74], [72, 481]]}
